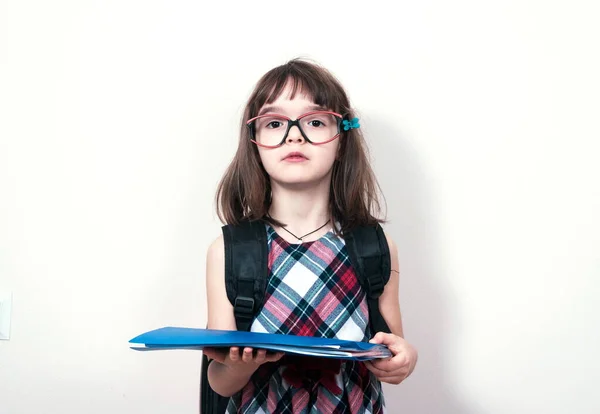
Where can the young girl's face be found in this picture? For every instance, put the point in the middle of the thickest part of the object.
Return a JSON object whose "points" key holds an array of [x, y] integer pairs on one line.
{"points": [[297, 162]]}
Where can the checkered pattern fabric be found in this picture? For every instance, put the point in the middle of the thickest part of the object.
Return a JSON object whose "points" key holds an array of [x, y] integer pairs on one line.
{"points": [[312, 291]]}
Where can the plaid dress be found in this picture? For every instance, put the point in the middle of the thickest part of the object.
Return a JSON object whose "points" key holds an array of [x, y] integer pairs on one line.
{"points": [[312, 291]]}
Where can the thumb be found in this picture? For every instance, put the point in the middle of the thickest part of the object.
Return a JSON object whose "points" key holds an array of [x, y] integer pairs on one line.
{"points": [[378, 338]]}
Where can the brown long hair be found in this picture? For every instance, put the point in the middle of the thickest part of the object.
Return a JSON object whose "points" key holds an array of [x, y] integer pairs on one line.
{"points": [[244, 192]]}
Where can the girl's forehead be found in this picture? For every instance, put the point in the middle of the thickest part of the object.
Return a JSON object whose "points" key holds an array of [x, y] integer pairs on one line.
{"points": [[286, 102], [288, 96]]}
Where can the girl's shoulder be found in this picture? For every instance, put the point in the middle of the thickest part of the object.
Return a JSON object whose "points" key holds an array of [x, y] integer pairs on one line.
{"points": [[216, 248], [390, 241]]}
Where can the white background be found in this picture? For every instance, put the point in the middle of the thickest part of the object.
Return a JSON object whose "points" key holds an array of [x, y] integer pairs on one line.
{"points": [[117, 118]]}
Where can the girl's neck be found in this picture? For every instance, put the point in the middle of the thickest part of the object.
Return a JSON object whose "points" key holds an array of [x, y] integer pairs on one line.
{"points": [[301, 210]]}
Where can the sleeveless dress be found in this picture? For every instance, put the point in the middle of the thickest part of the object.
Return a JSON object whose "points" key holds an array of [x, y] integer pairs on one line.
{"points": [[312, 290]]}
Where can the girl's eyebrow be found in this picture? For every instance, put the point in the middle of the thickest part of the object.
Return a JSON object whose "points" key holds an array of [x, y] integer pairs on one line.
{"points": [[269, 109], [278, 110]]}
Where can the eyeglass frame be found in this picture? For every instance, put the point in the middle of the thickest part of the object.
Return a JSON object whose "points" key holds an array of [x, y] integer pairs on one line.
{"points": [[290, 124]]}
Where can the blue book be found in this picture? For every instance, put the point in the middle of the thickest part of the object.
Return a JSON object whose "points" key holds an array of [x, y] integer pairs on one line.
{"points": [[170, 338]]}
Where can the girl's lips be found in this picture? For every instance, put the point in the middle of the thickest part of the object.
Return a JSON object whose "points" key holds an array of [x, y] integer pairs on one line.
{"points": [[295, 157]]}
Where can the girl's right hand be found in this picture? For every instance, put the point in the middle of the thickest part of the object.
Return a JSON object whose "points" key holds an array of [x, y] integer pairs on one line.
{"points": [[246, 360]]}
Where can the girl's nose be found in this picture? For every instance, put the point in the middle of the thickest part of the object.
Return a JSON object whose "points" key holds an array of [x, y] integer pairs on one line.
{"points": [[294, 135]]}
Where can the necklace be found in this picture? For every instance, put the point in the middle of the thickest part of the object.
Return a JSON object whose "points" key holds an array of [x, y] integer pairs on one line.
{"points": [[307, 234]]}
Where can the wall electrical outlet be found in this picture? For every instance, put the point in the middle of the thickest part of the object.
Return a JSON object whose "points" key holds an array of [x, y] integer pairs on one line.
{"points": [[5, 309]]}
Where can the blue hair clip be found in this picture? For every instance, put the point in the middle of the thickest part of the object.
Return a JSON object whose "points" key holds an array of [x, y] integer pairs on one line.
{"points": [[351, 124]]}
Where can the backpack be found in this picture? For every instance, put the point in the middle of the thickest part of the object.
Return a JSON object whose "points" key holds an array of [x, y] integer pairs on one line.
{"points": [[246, 274]]}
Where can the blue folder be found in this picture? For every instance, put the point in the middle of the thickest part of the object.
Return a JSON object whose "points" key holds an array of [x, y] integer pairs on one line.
{"points": [[169, 338]]}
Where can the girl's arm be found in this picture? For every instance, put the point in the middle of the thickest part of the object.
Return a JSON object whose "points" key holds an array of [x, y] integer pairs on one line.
{"points": [[389, 301], [229, 371], [401, 365], [220, 310]]}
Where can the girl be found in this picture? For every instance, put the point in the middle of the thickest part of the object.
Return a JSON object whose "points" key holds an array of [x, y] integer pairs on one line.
{"points": [[301, 167]]}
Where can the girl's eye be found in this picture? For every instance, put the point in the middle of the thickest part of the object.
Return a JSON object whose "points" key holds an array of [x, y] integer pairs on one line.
{"points": [[315, 123], [274, 124]]}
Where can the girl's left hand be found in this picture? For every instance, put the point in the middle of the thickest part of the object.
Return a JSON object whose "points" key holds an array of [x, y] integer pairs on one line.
{"points": [[397, 368]]}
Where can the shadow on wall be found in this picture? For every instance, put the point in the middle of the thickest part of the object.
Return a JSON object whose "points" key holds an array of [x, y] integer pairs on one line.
{"points": [[426, 300]]}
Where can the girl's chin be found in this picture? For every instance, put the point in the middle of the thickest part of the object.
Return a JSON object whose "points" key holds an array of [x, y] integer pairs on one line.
{"points": [[299, 182]]}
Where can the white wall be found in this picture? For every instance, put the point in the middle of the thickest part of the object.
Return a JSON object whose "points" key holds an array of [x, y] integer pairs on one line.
{"points": [[117, 119]]}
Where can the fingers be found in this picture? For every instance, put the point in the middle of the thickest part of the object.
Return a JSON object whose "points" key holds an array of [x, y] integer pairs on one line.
{"points": [[381, 367], [261, 356], [247, 356], [379, 373], [275, 357], [389, 371], [385, 376], [392, 364], [234, 355]]}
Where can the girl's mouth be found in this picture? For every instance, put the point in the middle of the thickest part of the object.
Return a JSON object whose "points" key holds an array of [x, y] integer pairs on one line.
{"points": [[295, 157]]}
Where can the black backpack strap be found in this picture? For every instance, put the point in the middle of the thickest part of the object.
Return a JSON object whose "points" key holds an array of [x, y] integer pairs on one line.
{"points": [[370, 256], [246, 271]]}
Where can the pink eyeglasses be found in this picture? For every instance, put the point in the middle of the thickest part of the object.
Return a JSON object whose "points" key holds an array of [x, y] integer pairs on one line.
{"points": [[270, 130]]}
